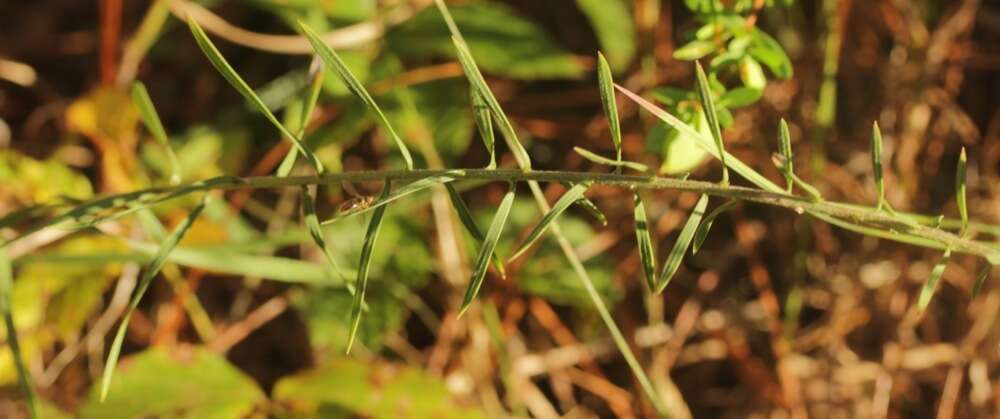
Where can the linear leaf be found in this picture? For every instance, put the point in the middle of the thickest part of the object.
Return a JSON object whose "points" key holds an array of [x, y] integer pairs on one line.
{"points": [[312, 223], [23, 376], [486, 251], [877, 164], [963, 209], [646, 254], [220, 64], [930, 287], [364, 265], [980, 280], [706, 224], [333, 60], [148, 274], [481, 113], [599, 159], [470, 224], [606, 85], [708, 104], [785, 148], [405, 190], [152, 121], [568, 198], [309, 104], [680, 246]]}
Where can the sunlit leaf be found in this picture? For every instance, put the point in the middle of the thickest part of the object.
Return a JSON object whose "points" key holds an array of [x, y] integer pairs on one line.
{"points": [[694, 50]]}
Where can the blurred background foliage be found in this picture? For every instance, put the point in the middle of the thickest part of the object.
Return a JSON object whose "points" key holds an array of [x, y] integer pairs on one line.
{"points": [[775, 317]]}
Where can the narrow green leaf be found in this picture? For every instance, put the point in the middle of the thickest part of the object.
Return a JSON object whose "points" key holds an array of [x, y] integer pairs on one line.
{"points": [[152, 121], [683, 241], [361, 285], [963, 209], [706, 224], [805, 186], [484, 122], [479, 84], [312, 223], [599, 159], [646, 254], [694, 50], [23, 376], [148, 274], [309, 105], [470, 224], [877, 164], [708, 104], [220, 64], [606, 85], [568, 198], [930, 287], [589, 206], [486, 251], [405, 190], [333, 61], [980, 280], [787, 162]]}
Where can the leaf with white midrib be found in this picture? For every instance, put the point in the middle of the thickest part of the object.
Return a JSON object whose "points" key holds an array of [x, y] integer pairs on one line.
{"points": [[465, 216], [930, 287], [647, 257]]}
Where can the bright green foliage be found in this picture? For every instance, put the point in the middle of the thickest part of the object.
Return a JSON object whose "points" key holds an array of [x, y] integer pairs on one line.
{"points": [[195, 384], [152, 120]]}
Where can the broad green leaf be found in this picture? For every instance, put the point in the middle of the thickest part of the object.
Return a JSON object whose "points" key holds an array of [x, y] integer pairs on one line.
{"points": [[572, 195], [694, 50], [220, 64], [980, 280], [963, 210], [930, 287], [312, 223], [332, 60], [148, 274], [405, 190], [365, 264], [484, 121], [606, 84], [152, 120], [486, 251], [681, 153], [706, 224], [752, 74], [502, 42], [739, 97], [6, 284], [479, 84], [876, 145], [768, 51], [647, 257], [470, 224], [599, 159], [195, 384], [612, 23], [680, 246], [708, 105], [347, 387]]}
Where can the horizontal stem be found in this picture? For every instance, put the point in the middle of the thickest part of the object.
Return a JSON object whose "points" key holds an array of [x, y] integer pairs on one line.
{"points": [[863, 217]]}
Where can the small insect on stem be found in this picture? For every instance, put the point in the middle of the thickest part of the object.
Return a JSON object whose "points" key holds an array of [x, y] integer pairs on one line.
{"points": [[358, 201]]}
